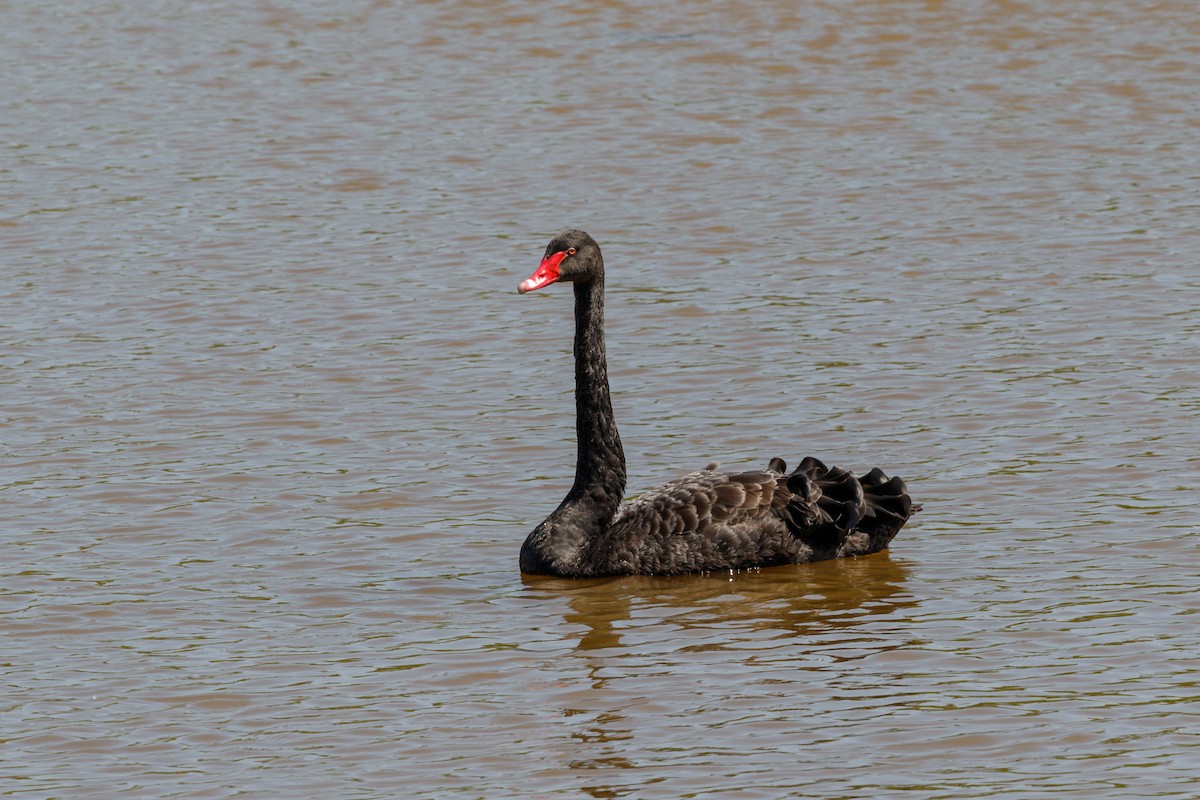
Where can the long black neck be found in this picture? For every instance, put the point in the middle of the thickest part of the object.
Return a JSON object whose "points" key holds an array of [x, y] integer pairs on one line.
{"points": [[600, 462]]}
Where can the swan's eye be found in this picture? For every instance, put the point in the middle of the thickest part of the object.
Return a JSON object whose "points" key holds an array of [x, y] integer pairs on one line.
{"points": [[570, 251]]}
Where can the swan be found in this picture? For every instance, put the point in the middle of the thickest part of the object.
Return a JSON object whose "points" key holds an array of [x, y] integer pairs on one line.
{"points": [[705, 521]]}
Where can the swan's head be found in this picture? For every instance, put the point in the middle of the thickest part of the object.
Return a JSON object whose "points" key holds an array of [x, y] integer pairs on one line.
{"points": [[570, 256]]}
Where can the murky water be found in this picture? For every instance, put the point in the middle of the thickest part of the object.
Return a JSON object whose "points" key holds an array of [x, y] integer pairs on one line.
{"points": [[275, 421]]}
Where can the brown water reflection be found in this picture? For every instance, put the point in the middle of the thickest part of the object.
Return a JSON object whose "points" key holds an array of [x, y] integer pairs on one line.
{"points": [[760, 602], [737, 623]]}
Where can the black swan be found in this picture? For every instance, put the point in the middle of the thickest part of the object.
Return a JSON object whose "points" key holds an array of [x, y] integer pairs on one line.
{"points": [[704, 521]]}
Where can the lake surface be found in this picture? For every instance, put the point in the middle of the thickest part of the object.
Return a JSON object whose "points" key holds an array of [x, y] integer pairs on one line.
{"points": [[275, 421]]}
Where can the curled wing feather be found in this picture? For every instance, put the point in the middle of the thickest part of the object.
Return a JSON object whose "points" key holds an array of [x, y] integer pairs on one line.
{"points": [[716, 520]]}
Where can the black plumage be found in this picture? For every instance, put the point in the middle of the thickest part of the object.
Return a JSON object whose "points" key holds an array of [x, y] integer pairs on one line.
{"points": [[708, 520]]}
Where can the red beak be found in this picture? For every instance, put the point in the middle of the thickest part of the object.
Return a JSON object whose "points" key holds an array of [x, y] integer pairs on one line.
{"points": [[546, 273]]}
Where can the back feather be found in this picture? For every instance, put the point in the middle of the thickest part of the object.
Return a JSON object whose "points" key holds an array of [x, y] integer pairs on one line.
{"points": [[716, 520]]}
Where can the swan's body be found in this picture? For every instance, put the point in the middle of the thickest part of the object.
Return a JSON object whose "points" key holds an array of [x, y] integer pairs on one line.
{"points": [[704, 521]]}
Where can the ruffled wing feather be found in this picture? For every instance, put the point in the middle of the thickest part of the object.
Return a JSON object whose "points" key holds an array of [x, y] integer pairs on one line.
{"points": [[710, 520]]}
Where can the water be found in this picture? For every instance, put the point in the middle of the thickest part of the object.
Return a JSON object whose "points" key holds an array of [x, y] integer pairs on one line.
{"points": [[276, 422]]}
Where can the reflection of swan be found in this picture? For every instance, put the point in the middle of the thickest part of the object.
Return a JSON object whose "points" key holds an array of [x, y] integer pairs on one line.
{"points": [[693, 630], [795, 599]]}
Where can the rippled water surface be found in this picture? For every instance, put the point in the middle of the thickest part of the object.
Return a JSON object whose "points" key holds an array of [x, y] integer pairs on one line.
{"points": [[275, 421]]}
